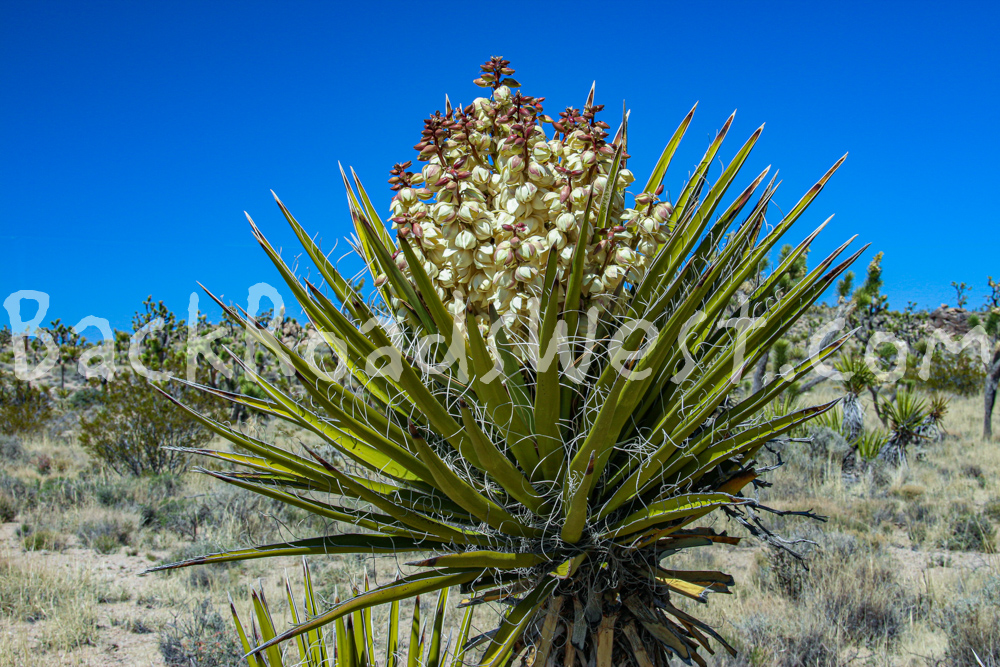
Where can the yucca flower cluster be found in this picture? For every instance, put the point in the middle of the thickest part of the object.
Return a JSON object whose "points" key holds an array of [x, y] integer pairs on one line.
{"points": [[498, 194]]}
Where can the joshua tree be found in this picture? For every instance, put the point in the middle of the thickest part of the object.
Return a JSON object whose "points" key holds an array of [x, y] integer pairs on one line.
{"points": [[961, 293], [991, 325], [69, 347], [546, 376]]}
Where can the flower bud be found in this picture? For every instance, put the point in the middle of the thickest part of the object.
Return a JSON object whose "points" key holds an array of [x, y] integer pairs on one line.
{"points": [[480, 282], [526, 252], [589, 158], [662, 212], [516, 164], [625, 255], [483, 255], [504, 254], [648, 247], [525, 273], [643, 199], [525, 193], [407, 196], [481, 176], [648, 226], [432, 173], [465, 240], [565, 222], [555, 239], [443, 213], [541, 152], [468, 211]]}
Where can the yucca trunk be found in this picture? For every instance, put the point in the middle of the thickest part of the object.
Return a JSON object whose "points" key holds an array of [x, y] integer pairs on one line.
{"points": [[543, 394]]}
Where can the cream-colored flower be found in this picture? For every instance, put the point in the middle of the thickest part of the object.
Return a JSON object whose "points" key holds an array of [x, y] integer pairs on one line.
{"points": [[466, 240]]}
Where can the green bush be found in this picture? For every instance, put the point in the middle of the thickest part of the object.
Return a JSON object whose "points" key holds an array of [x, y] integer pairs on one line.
{"points": [[86, 398], [24, 408], [961, 374], [42, 540], [136, 425]]}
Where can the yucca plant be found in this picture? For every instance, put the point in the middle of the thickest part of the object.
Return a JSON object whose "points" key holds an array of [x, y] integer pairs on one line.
{"points": [[856, 376], [906, 416], [541, 396], [355, 640], [870, 444]]}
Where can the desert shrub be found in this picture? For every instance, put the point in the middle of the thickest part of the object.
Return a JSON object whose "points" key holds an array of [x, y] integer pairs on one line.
{"points": [[24, 408], [849, 586], [969, 531], [87, 397], [43, 540], [59, 492], [201, 638], [105, 535], [866, 600], [765, 640], [783, 573], [11, 448], [8, 507], [991, 509], [43, 464], [181, 515], [113, 492], [22, 494], [961, 374], [108, 490], [972, 625], [133, 430]]}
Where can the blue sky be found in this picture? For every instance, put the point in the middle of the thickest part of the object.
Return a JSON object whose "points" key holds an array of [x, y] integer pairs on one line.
{"points": [[134, 135]]}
